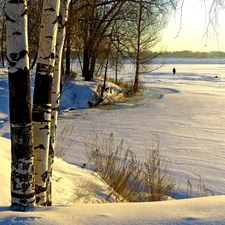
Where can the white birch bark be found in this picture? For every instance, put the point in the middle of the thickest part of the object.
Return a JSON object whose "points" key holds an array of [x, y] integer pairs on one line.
{"points": [[22, 151], [63, 16], [42, 95]]}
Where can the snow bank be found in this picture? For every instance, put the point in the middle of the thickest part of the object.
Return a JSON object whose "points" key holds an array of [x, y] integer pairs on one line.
{"points": [[78, 94]]}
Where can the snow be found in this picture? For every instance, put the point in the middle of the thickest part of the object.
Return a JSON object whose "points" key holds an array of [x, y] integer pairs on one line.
{"points": [[185, 112], [78, 94]]}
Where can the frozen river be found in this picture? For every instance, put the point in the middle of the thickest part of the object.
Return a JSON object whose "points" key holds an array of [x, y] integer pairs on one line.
{"points": [[185, 112]]}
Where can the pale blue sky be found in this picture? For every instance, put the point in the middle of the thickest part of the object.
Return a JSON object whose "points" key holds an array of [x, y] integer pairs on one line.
{"points": [[193, 27]]}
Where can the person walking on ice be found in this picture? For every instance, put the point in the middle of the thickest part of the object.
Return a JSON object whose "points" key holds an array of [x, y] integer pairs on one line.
{"points": [[174, 71]]}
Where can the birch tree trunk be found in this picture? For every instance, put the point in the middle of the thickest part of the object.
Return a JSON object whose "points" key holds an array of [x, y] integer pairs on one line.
{"points": [[42, 95], [22, 151], [63, 16]]}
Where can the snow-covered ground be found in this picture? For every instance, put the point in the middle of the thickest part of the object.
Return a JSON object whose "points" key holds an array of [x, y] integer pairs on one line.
{"points": [[185, 112]]}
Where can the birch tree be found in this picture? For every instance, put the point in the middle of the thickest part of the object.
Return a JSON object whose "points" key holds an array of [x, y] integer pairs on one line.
{"points": [[22, 151], [42, 96], [63, 16]]}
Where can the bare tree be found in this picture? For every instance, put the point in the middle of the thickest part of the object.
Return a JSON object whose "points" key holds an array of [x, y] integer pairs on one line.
{"points": [[94, 19], [95, 22], [22, 151], [214, 10], [147, 19]]}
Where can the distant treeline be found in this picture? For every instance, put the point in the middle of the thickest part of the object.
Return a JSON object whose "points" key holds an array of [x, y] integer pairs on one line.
{"points": [[190, 54]]}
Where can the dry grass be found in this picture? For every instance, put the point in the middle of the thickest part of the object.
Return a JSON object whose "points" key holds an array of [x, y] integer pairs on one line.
{"points": [[131, 179], [64, 141], [125, 85], [117, 170], [158, 182], [85, 191], [200, 191]]}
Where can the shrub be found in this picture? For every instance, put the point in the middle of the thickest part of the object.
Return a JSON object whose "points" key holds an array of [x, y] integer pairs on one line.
{"points": [[117, 170], [158, 183], [125, 85]]}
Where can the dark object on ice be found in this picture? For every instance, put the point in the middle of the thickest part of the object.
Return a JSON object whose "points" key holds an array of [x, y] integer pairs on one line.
{"points": [[174, 71], [161, 96], [83, 166], [216, 76]]}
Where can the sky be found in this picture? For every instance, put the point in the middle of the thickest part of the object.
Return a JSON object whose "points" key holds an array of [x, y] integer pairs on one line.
{"points": [[193, 29]]}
